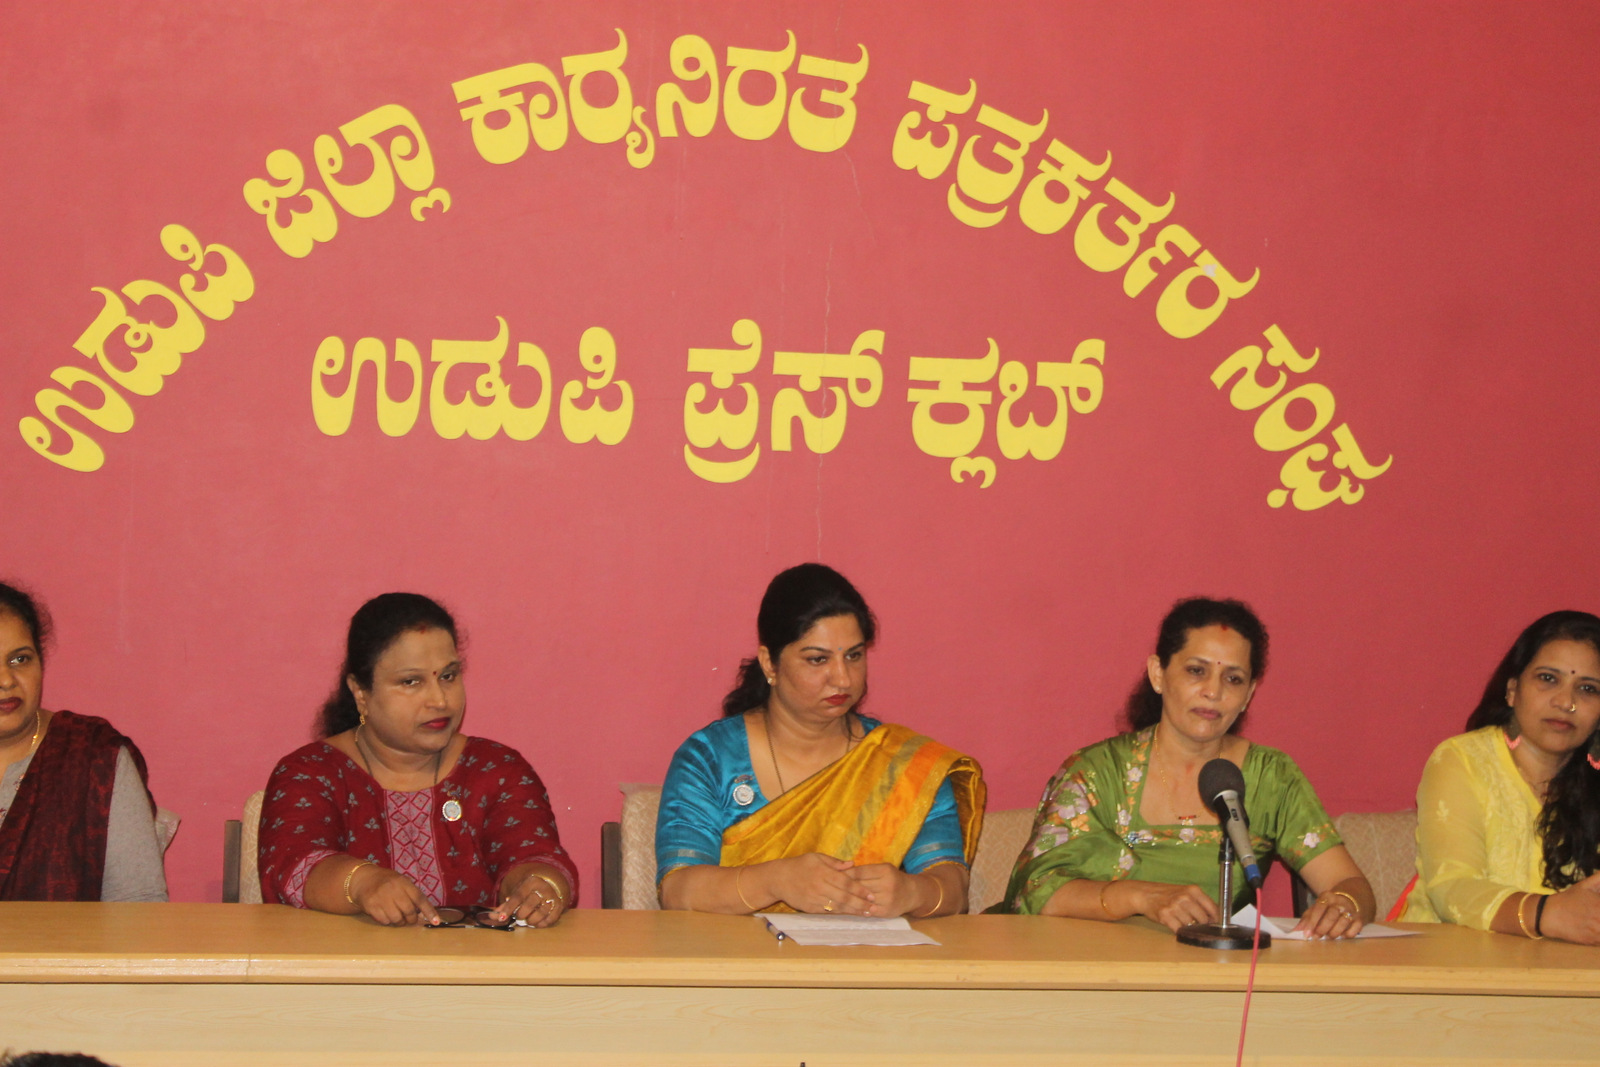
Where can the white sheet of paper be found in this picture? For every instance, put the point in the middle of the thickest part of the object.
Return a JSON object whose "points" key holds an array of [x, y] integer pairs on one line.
{"points": [[843, 930], [1284, 928]]}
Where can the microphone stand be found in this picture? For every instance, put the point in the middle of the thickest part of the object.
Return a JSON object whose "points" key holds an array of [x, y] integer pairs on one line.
{"points": [[1226, 934]]}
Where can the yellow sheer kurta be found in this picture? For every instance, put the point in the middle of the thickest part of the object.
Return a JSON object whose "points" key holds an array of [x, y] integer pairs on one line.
{"points": [[1477, 833]]}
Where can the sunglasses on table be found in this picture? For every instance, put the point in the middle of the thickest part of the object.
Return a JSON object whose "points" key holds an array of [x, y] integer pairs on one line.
{"points": [[474, 917]]}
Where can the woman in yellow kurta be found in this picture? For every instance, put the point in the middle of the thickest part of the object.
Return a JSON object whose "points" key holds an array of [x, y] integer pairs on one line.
{"points": [[796, 800], [1508, 814]]}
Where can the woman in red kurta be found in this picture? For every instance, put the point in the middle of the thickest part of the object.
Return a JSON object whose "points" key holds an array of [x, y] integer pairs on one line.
{"points": [[396, 813]]}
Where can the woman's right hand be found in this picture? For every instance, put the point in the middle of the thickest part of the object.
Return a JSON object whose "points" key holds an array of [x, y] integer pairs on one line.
{"points": [[1574, 913], [1174, 906], [389, 897], [817, 883]]}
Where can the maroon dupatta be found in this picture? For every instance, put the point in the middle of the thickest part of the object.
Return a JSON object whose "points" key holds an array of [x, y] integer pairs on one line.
{"points": [[53, 840]]}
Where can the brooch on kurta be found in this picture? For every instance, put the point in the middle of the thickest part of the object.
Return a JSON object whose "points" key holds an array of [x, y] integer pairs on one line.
{"points": [[744, 793]]}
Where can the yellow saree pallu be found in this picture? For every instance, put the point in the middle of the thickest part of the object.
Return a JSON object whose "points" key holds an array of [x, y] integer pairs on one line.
{"points": [[866, 808]]}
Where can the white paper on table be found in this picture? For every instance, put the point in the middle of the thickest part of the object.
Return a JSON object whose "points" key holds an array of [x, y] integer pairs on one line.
{"points": [[1284, 928], [844, 930]]}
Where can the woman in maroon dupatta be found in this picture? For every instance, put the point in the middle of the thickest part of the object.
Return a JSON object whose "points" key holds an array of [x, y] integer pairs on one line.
{"points": [[76, 818], [395, 813]]}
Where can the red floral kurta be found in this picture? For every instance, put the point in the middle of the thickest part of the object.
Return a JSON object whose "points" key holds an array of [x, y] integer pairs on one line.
{"points": [[320, 803]]}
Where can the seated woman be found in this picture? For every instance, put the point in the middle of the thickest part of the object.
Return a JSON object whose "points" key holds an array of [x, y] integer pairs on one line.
{"points": [[76, 818], [1123, 830], [797, 801], [1508, 814], [395, 813]]}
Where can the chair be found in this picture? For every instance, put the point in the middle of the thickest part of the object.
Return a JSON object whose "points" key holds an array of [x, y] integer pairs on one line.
{"points": [[241, 881], [1384, 846], [628, 853], [167, 823], [1000, 842]]}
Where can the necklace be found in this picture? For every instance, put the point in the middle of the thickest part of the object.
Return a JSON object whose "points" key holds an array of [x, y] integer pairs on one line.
{"points": [[38, 727], [1539, 786], [33, 745], [1172, 789], [450, 809], [849, 743]]}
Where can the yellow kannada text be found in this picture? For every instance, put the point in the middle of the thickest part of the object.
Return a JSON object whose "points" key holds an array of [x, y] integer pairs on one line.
{"points": [[137, 346], [722, 445], [530, 104], [484, 409], [1115, 231]]}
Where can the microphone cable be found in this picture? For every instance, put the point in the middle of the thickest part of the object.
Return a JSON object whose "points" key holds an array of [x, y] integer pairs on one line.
{"points": [[1250, 984]]}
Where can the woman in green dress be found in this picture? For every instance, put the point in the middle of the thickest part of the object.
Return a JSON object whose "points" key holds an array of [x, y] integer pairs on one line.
{"points": [[1122, 829]]}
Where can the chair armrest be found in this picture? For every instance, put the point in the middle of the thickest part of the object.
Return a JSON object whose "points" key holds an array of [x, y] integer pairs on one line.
{"points": [[611, 865], [232, 836]]}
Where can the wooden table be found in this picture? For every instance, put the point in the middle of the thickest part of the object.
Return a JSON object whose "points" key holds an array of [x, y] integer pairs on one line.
{"points": [[171, 985]]}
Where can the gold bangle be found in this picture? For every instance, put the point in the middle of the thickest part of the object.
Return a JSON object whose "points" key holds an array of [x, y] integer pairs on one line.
{"points": [[1354, 903], [1103, 906], [561, 898], [1523, 923], [351, 874], [936, 904], [738, 874]]}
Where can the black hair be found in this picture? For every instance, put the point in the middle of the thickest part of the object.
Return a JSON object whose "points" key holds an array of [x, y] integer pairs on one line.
{"points": [[17, 601], [1144, 703], [375, 626], [796, 600], [1570, 821]]}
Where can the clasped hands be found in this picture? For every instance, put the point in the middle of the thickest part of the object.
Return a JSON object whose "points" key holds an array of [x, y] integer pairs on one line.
{"points": [[819, 883]]}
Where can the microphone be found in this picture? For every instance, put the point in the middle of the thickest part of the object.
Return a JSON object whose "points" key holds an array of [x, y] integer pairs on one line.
{"points": [[1222, 786]]}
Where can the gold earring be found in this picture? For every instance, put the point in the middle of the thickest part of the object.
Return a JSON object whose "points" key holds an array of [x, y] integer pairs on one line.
{"points": [[363, 721]]}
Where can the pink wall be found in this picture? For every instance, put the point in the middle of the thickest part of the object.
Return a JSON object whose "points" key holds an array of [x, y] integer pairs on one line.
{"points": [[1413, 182]]}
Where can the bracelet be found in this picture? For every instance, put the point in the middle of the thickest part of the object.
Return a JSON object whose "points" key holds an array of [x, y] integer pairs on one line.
{"points": [[1538, 914], [738, 874], [351, 874], [561, 898], [1103, 906], [1353, 902], [1523, 923], [936, 904]]}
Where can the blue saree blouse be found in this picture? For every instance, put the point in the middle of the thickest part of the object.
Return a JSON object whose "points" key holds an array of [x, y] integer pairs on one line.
{"points": [[712, 784]]}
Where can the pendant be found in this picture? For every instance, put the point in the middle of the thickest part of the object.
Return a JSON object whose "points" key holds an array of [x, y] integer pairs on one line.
{"points": [[451, 810]]}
